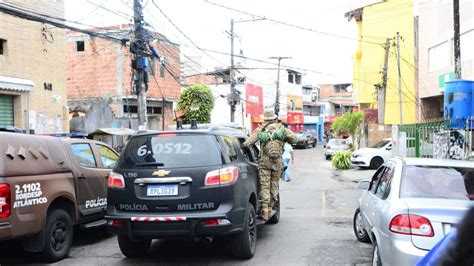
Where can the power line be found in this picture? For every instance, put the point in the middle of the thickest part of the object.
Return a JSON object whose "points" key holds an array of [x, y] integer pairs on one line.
{"points": [[289, 24], [41, 18]]}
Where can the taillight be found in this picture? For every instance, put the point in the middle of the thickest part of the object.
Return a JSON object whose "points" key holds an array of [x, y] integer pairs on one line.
{"points": [[411, 225], [116, 180], [224, 176], [5, 201]]}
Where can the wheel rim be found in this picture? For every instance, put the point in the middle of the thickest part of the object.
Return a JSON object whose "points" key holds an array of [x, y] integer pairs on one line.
{"points": [[252, 230], [375, 260], [58, 235], [377, 163], [359, 227]]}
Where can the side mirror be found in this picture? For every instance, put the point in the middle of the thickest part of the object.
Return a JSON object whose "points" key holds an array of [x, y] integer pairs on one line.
{"points": [[389, 148], [364, 185]]}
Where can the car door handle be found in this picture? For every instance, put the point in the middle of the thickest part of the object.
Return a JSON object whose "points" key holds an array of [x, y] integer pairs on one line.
{"points": [[81, 176]]}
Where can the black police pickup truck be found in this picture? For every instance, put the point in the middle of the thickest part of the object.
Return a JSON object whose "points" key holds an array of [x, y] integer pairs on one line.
{"points": [[188, 184]]}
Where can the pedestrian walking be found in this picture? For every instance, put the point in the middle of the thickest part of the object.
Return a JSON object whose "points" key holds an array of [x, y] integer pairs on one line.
{"points": [[272, 136], [288, 156]]}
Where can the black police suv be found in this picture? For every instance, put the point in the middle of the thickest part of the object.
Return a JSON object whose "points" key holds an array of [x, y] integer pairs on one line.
{"points": [[186, 184]]}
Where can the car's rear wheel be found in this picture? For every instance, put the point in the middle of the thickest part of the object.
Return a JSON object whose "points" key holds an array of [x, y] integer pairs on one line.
{"points": [[276, 217], [359, 230], [376, 162], [244, 243], [133, 248], [376, 260], [58, 235], [328, 157], [314, 143]]}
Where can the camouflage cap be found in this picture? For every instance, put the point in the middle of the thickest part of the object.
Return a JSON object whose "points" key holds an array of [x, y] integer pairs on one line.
{"points": [[269, 114]]}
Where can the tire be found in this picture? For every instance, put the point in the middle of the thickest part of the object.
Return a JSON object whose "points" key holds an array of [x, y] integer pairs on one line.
{"points": [[376, 260], [131, 248], [359, 230], [276, 217], [314, 143], [244, 244], [58, 235], [376, 162], [328, 157]]}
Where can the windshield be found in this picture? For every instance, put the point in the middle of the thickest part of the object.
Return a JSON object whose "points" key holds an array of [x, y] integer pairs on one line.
{"points": [[380, 144], [171, 150], [437, 182]]}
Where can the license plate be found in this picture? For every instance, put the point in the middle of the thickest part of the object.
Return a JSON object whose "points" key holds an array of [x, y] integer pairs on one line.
{"points": [[162, 190]]}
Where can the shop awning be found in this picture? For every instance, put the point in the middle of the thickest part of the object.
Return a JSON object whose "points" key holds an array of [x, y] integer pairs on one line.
{"points": [[343, 102], [16, 84]]}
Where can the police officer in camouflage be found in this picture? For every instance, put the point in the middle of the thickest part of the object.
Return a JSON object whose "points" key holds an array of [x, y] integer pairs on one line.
{"points": [[272, 136]]}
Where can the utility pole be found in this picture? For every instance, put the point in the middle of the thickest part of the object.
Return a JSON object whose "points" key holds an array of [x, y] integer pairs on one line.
{"points": [[277, 98], [399, 78], [457, 41], [233, 98], [139, 65], [382, 89]]}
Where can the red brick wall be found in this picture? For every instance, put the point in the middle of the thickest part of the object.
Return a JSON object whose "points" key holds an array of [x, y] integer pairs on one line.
{"points": [[93, 72]]}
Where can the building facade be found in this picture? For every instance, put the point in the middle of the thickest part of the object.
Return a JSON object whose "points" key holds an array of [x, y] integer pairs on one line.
{"points": [[436, 55], [376, 23], [99, 84], [257, 89], [33, 70]]}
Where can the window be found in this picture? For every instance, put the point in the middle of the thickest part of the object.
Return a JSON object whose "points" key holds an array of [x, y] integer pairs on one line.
{"points": [[290, 78], [80, 46], [83, 154], [338, 88], [6, 111], [439, 56], [107, 156], [3, 46], [383, 188], [228, 145], [298, 79], [375, 179], [248, 153]]}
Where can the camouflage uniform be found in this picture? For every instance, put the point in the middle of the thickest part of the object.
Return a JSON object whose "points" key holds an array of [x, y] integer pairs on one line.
{"points": [[269, 170]]}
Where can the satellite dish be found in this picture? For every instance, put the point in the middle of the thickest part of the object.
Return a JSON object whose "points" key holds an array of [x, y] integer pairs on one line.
{"points": [[349, 88]]}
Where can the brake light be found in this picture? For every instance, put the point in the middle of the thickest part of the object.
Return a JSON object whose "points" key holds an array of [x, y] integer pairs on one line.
{"points": [[116, 223], [5, 201], [167, 135], [116, 180], [411, 225], [224, 176]]}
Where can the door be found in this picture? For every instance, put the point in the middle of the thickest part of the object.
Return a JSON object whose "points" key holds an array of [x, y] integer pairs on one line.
{"points": [[90, 178], [369, 200]]}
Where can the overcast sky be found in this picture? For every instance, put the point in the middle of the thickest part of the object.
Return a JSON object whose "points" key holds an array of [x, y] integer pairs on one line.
{"points": [[326, 46]]}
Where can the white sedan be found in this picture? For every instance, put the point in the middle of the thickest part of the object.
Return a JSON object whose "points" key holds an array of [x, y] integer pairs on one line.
{"points": [[374, 156]]}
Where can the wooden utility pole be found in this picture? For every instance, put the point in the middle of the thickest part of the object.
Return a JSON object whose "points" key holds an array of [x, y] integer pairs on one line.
{"points": [[139, 65], [399, 79], [277, 98], [382, 89], [457, 41]]}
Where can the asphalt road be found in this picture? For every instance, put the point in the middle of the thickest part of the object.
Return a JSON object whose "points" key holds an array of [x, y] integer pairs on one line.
{"points": [[315, 229]]}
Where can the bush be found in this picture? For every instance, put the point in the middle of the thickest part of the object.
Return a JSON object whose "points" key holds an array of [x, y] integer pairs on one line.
{"points": [[342, 160]]}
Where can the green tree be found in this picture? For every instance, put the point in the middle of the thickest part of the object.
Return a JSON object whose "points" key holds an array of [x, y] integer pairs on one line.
{"points": [[197, 102], [350, 123]]}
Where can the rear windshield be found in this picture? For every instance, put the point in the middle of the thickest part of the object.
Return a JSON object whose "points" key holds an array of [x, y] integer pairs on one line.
{"points": [[171, 150], [336, 142], [437, 182]]}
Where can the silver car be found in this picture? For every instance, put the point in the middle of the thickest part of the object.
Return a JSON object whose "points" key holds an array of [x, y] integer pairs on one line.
{"points": [[410, 205], [336, 145]]}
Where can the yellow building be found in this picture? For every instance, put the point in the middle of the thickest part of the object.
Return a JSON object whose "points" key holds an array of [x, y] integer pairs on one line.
{"points": [[376, 23], [33, 69]]}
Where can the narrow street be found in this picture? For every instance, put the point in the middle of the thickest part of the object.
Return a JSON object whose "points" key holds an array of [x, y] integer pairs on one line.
{"points": [[315, 229]]}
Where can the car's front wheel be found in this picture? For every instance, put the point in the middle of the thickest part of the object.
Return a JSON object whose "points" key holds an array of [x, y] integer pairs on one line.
{"points": [[359, 230], [376, 162], [133, 248], [244, 243]]}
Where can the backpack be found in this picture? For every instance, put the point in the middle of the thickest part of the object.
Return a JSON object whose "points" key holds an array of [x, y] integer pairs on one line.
{"points": [[272, 142]]}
